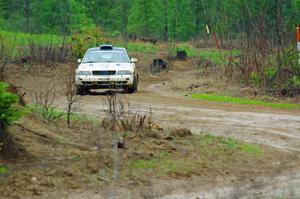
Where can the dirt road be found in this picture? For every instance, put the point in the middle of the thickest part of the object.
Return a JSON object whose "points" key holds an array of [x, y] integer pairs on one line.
{"points": [[273, 127]]}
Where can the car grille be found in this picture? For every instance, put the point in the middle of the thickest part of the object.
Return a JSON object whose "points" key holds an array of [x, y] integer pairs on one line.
{"points": [[104, 72], [105, 83]]}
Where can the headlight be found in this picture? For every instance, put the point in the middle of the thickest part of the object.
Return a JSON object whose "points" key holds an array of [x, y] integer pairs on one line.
{"points": [[124, 72], [83, 73]]}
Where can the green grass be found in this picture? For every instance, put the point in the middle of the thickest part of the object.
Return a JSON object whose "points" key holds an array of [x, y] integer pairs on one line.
{"points": [[201, 152], [230, 143], [77, 118], [60, 139], [15, 41], [3, 170], [236, 100], [24, 39], [162, 165], [145, 48], [143, 164], [211, 54]]}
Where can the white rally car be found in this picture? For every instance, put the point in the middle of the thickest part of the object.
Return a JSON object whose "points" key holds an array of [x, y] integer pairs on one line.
{"points": [[106, 67]]}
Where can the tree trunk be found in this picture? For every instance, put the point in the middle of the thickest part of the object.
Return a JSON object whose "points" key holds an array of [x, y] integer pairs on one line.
{"points": [[166, 24], [146, 13], [5, 141], [125, 8], [197, 9], [27, 14]]}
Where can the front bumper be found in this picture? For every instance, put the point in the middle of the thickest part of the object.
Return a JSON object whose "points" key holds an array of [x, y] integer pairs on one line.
{"points": [[112, 81]]}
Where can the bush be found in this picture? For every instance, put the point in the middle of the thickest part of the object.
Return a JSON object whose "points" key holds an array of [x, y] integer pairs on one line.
{"points": [[8, 109], [9, 113], [89, 38]]}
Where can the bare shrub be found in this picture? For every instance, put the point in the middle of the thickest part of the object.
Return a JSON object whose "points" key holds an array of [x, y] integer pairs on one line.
{"points": [[119, 117], [267, 62], [71, 97], [203, 43], [44, 103], [43, 54]]}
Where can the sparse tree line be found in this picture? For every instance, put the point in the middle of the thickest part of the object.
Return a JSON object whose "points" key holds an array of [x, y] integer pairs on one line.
{"points": [[159, 19]]}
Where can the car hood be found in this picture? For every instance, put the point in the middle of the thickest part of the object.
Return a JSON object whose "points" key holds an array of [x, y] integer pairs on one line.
{"points": [[105, 66]]}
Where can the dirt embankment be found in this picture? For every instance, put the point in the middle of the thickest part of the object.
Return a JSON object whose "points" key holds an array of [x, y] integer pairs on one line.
{"points": [[81, 162]]}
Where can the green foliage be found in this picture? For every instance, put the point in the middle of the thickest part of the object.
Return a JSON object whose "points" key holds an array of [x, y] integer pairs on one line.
{"points": [[236, 100], [161, 19], [9, 112], [254, 79], [270, 73], [78, 45], [144, 18], [295, 81], [281, 70], [289, 60], [3, 169], [88, 38]]}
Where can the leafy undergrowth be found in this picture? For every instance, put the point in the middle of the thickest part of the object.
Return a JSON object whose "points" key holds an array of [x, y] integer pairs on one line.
{"points": [[236, 100], [83, 157]]}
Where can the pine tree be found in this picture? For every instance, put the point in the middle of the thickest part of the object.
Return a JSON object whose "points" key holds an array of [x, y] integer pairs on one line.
{"points": [[145, 18]]}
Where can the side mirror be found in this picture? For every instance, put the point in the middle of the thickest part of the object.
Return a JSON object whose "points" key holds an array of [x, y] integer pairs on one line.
{"points": [[133, 60], [79, 61]]}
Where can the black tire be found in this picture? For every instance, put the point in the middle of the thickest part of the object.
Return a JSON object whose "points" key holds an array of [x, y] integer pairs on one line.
{"points": [[132, 89], [137, 83], [81, 90]]}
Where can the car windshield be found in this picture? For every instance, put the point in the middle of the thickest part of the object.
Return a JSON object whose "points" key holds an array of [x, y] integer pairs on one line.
{"points": [[105, 56]]}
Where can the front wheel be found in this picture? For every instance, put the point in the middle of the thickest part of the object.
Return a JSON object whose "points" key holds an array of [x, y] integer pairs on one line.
{"points": [[133, 88], [81, 90]]}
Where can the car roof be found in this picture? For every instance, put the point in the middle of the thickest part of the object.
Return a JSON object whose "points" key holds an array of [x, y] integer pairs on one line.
{"points": [[113, 49]]}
